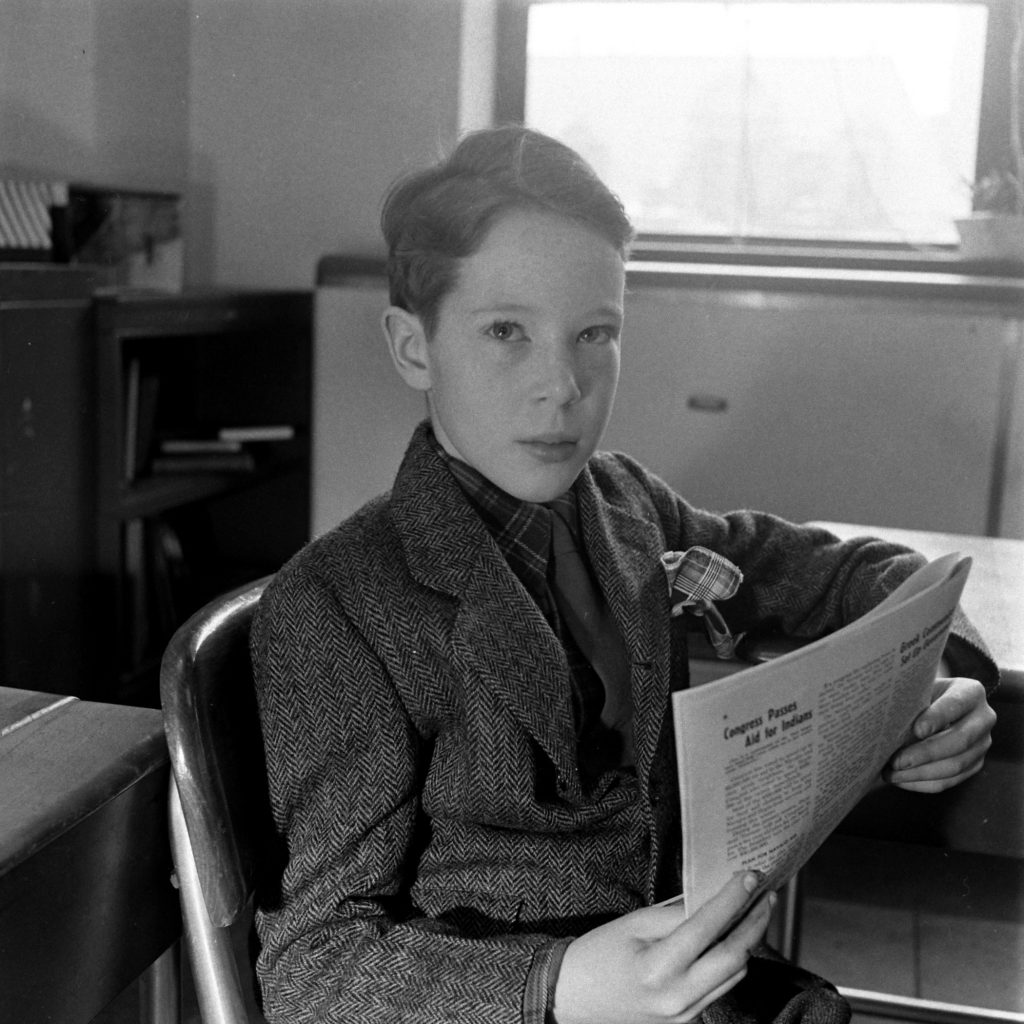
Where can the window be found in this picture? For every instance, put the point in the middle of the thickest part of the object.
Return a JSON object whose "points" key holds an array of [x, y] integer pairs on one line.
{"points": [[813, 121]]}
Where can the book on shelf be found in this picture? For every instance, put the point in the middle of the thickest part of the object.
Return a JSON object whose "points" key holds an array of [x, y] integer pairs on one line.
{"points": [[142, 391], [131, 417], [241, 461], [156, 579], [149, 392], [258, 432], [170, 576], [773, 757], [215, 450], [136, 582], [197, 445]]}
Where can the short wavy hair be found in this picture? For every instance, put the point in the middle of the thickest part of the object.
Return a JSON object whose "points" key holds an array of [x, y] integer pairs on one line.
{"points": [[435, 217]]}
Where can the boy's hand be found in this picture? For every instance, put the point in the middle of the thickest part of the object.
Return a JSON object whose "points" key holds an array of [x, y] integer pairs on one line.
{"points": [[653, 965], [953, 734]]}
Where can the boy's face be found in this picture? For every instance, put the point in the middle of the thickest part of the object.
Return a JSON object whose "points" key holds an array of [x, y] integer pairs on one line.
{"points": [[521, 372]]}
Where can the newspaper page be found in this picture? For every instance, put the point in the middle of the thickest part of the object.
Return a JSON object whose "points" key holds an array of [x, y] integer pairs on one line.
{"points": [[772, 758]]}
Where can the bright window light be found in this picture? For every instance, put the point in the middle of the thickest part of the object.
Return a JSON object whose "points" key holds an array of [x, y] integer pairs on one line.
{"points": [[812, 121]]}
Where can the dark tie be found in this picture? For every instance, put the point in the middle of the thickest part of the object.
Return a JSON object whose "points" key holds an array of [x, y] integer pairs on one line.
{"points": [[589, 620]]}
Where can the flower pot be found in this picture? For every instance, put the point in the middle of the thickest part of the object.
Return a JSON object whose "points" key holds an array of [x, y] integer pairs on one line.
{"points": [[992, 236]]}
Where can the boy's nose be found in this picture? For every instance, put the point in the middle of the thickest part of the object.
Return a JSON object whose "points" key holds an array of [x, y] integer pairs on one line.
{"points": [[559, 379]]}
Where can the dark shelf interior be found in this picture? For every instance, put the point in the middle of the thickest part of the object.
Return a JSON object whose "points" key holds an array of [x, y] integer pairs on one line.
{"points": [[101, 555], [181, 528]]}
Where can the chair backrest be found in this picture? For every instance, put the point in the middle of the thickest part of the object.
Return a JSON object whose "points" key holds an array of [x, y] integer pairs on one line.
{"points": [[216, 748]]}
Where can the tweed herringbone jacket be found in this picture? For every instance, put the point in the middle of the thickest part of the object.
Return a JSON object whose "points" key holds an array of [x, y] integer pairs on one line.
{"points": [[420, 745]]}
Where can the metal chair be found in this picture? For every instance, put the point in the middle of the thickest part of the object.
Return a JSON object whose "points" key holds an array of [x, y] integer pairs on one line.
{"points": [[219, 810]]}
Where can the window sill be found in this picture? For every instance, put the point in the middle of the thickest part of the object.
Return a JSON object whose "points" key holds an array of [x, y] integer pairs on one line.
{"points": [[934, 260], [773, 272]]}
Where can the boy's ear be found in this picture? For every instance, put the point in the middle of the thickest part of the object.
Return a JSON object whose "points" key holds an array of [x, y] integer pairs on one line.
{"points": [[407, 343]]}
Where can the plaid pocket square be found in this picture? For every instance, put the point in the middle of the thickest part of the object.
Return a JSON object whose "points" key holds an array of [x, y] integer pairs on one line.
{"points": [[696, 579]]}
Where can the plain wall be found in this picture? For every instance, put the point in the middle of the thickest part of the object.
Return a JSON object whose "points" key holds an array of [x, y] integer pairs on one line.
{"points": [[302, 113], [95, 91], [280, 122]]}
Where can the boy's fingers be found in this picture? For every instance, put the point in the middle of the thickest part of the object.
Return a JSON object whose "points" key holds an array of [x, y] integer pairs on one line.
{"points": [[726, 961], [715, 917], [952, 700], [937, 775], [948, 746], [938, 785], [683, 945]]}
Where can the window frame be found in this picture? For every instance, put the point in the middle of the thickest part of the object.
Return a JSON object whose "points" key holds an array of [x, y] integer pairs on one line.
{"points": [[993, 156]]}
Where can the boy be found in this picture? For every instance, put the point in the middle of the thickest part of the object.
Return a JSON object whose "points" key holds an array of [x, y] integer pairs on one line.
{"points": [[479, 806]]}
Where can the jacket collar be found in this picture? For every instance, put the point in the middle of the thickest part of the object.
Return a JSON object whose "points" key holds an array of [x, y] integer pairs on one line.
{"points": [[500, 634]]}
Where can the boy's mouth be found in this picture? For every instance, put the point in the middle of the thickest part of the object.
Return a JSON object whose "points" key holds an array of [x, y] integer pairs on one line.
{"points": [[550, 447]]}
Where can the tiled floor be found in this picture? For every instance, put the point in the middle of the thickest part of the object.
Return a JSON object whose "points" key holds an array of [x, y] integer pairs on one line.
{"points": [[916, 921], [907, 920]]}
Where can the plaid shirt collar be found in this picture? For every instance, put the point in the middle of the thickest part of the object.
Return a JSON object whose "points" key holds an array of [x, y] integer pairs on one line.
{"points": [[521, 529]]}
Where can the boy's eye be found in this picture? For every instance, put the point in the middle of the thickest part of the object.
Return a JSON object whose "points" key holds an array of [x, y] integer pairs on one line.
{"points": [[506, 330], [598, 335]]}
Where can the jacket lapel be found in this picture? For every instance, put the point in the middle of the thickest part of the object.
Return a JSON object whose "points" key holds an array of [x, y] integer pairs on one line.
{"points": [[625, 552], [500, 637], [499, 634]]}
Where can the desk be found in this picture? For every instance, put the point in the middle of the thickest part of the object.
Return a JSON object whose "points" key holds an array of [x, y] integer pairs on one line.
{"points": [[985, 814], [993, 597], [86, 901]]}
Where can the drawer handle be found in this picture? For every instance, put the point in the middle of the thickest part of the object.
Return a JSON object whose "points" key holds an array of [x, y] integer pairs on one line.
{"points": [[707, 403]]}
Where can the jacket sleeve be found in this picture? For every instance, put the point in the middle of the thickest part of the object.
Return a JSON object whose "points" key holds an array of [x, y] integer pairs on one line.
{"points": [[341, 941], [802, 580]]}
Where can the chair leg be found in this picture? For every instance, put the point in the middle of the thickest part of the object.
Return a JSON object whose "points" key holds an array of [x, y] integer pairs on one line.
{"points": [[160, 989], [211, 955]]}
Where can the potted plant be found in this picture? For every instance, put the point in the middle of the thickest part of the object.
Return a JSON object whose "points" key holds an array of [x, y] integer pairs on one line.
{"points": [[995, 230]]}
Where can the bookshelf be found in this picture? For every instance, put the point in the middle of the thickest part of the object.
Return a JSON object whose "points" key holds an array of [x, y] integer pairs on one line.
{"points": [[203, 457]]}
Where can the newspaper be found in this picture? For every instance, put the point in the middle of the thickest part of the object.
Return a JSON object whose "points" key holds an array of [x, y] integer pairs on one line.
{"points": [[773, 757]]}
